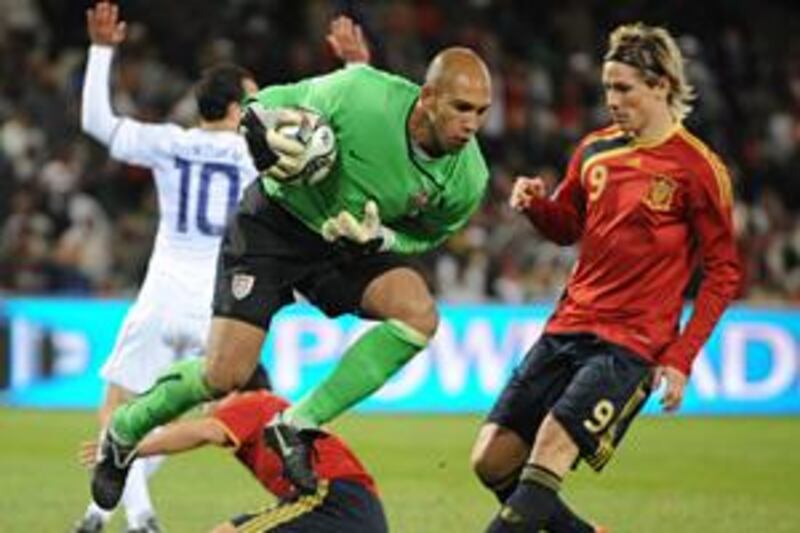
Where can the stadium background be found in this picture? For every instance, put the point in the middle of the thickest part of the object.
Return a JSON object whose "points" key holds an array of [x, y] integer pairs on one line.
{"points": [[76, 228]]}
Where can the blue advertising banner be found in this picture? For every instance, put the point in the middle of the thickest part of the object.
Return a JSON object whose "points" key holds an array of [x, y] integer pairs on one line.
{"points": [[751, 365]]}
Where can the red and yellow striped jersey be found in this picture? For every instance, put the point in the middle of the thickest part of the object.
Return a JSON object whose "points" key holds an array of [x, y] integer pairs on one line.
{"points": [[645, 216]]}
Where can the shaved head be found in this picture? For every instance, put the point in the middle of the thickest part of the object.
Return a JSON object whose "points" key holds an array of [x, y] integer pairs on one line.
{"points": [[453, 102], [457, 65]]}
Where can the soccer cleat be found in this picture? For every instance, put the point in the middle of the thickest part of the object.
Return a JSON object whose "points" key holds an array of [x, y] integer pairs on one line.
{"points": [[151, 525], [294, 451], [108, 478], [89, 524], [601, 529]]}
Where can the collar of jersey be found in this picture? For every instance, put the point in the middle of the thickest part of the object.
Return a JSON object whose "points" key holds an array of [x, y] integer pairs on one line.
{"points": [[659, 140], [416, 159]]}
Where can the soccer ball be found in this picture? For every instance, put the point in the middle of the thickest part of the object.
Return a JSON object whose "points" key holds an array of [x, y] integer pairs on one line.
{"points": [[316, 134]]}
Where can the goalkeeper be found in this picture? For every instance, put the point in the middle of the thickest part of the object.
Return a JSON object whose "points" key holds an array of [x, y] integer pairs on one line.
{"points": [[409, 174]]}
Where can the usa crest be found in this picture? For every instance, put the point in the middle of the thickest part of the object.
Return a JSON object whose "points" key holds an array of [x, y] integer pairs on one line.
{"points": [[659, 196], [241, 285], [418, 202]]}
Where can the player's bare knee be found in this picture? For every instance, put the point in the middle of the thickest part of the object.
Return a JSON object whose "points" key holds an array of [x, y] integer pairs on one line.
{"points": [[485, 467], [420, 314], [218, 378], [229, 379], [492, 468], [232, 353], [431, 319], [489, 459], [224, 375]]}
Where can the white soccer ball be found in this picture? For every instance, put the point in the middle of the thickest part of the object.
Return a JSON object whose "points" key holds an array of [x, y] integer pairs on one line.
{"points": [[316, 134]]}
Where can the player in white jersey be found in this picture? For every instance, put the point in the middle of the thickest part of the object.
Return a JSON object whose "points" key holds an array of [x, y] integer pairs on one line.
{"points": [[199, 174]]}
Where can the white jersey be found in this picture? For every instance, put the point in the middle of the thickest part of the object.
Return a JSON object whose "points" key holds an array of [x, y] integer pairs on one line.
{"points": [[199, 177]]}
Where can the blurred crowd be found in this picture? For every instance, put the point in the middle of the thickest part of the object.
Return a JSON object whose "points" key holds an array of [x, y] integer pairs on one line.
{"points": [[74, 222]]}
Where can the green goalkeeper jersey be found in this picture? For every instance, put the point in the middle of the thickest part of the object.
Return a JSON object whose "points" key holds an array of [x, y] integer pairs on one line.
{"points": [[423, 200]]}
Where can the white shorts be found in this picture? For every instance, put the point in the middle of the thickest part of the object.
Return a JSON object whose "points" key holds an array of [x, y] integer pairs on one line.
{"points": [[163, 326]]}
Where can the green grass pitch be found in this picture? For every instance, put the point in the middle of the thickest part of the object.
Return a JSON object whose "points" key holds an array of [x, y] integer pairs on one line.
{"points": [[672, 475]]}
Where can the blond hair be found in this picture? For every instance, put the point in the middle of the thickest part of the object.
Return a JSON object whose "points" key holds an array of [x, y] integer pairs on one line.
{"points": [[654, 52]]}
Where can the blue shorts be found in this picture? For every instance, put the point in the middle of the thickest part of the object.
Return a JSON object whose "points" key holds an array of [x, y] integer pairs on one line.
{"points": [[336, 507], [592, 387]]}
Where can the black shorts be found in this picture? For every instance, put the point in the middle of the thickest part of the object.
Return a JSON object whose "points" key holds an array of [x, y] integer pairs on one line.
{"points": [[338, 506], [593, 388], [267, 254]]}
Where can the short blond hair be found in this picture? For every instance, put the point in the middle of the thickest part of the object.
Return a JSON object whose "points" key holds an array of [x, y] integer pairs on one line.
{"points": [[654, 52]]}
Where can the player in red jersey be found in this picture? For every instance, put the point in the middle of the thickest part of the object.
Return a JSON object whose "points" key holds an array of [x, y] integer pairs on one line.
{"points": [[346, 498], [648, 203]]}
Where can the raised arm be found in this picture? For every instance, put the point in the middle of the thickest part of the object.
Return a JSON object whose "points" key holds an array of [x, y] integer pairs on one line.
{"points": [[347, 40], [105, 32]]}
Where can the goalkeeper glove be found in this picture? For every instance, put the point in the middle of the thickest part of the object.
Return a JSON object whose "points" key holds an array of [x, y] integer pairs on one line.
{"points": [[361, 237], [279, 156]]}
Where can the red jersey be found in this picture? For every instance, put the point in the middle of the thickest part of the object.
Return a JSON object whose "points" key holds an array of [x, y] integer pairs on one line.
{"points": [[244, 415], [645, 215]]}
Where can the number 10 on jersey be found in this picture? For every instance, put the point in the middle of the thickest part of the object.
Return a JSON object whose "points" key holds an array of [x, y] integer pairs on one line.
{"points": [[210, 173]]}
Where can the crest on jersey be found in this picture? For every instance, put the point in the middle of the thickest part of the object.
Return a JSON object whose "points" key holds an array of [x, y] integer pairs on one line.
{"points": [[242, 285], [417, 202], [659, 196]]}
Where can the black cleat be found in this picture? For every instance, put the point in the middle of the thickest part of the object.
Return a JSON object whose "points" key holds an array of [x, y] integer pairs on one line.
{"points": [[108, 478], [294, 450]]}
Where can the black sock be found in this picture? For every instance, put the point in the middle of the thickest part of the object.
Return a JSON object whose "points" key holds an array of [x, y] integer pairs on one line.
{"points": [[532, 504], [505, 487]]}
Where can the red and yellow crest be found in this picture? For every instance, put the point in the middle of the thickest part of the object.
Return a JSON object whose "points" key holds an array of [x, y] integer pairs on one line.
{"points": [[659, 195]]}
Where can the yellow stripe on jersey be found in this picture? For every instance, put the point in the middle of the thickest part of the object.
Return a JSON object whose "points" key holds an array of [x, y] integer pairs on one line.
{"points": [[614, 152], [286, 512], [721, 175], [605, 133], [661, 139], [631, 143]]}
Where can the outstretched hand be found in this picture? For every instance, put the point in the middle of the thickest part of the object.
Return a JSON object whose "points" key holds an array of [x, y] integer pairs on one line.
{"points": [[347, 40], [103, 24]]}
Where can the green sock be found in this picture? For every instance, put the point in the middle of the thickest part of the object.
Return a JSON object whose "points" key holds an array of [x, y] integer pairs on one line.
{"points": [[179, 388], [364, 367]]}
